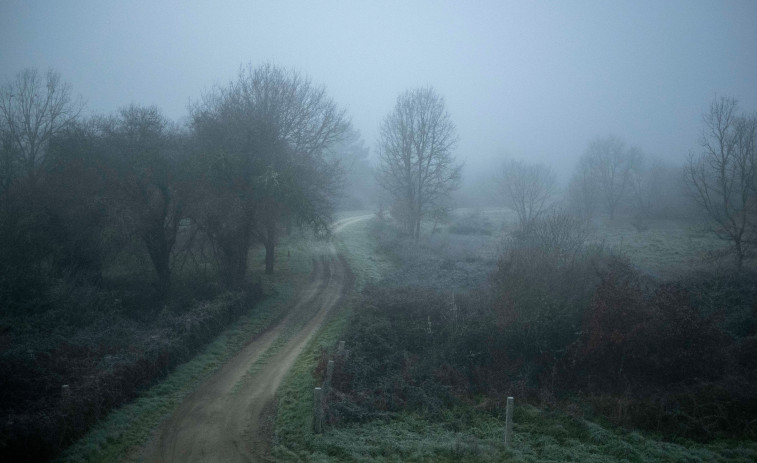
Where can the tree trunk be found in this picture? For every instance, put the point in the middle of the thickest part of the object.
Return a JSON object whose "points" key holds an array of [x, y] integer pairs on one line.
{"points": [[160, 255], [739, 256], [163, 270], [234, 266], [269, 257], [270, 249], [233, 257]]}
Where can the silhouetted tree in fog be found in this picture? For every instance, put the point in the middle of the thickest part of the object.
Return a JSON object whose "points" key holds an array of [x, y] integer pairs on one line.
{"points": [[33, 109], [265, 136], [360, 185], [415, 151], [582, 191], [723, 177], [526, 189], [142, 166], [606, 170]]}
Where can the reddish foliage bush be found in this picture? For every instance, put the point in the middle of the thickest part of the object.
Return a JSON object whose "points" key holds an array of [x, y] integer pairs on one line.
{"points": [[634, 334]]}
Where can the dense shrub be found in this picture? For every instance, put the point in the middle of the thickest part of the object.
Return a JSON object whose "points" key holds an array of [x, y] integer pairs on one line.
{"points": [[411, 349], [474, 223], [57, 386], [730, 298], [561, 323], [544, 280], [637, 335]]}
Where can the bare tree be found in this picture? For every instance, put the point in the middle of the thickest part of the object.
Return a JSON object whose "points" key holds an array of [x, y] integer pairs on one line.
{"points": [[33, 109], [360, 185], [582, 191], [608, 166], [415, 153], [8, 161], [526, 189], [723, 177]]}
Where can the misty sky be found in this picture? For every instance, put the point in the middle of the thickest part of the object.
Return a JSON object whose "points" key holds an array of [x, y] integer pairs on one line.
{"points": [[525, 79]]}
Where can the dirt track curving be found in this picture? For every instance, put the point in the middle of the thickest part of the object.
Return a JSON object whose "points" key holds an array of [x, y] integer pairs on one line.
{"points": [[220, 421]]}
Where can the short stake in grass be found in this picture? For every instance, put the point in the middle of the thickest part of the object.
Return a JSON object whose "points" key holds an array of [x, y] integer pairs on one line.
{"points": [[509, 422], [327, 381], [340, 349], [317, 410]]}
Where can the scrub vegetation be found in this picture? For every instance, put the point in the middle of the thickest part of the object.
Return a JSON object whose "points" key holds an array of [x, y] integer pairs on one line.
{"points": [[607, 363], [138, 255]]}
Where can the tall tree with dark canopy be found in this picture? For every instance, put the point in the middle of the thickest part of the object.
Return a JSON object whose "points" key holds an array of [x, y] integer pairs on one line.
{"points": [[723, 176], [278, 126], [415, 153], [142, 163]]}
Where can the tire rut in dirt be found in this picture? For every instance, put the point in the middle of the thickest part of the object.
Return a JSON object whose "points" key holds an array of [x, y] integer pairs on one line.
{"points": [[225, 418]]}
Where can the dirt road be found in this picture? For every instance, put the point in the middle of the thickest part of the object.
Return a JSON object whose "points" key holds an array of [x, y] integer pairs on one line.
{"points": [[220, 421]]}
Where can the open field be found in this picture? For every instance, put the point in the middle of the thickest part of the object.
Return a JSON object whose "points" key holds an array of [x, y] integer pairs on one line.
{"points": [[665, 249]]}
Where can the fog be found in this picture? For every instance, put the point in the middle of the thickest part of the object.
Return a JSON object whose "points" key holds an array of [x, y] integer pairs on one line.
{"points": [[533, 81], [431, 207]]}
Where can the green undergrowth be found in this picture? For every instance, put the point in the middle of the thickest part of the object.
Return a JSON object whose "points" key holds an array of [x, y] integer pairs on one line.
{"points": [[293, 434], [119, 436], [357, 244], [470, 434], [472, 430]]}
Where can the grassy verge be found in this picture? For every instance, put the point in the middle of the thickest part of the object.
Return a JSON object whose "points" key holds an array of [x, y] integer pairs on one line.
{"points": [[293, 436], [470, 434], [358, 246], [130, 426]]}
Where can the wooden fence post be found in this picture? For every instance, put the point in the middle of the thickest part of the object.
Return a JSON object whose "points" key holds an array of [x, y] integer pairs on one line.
{"points": [[329, 374], [317, 410], [509, 422]]}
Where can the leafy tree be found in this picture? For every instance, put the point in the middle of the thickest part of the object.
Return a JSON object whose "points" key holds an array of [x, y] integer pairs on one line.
{"points": [[265, 136], [142, 158]]}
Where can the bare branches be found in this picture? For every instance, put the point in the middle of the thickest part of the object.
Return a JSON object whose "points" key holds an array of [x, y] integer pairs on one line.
{"points": [[415, 150], [723, 177], [33, 109], [605, 170], [526, 189]]}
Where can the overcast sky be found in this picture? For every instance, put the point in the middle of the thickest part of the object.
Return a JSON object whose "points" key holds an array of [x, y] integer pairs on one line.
{"points": [[522, 79]]}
